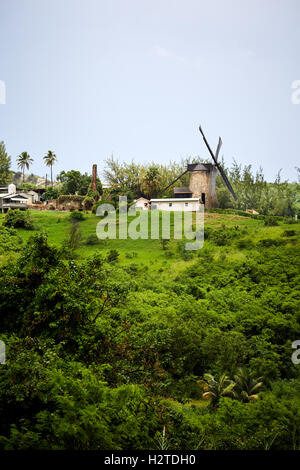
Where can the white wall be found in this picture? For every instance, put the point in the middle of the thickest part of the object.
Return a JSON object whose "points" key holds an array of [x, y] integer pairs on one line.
{"points": [[141, 205], [176, 206]]}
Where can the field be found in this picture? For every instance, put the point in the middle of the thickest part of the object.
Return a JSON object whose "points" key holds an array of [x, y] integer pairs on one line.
{"points": [[150, 252]]}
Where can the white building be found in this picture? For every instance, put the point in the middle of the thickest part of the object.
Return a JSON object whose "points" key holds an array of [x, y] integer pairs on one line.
{"points": [[10, 199], [31, 195], [141, 203], [176, 204]]}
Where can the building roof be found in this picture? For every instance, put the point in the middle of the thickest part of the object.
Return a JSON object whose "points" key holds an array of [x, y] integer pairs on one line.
{"points": [[200, 166], [176, 199], [182, 190], [15, 197], [141, 199]]}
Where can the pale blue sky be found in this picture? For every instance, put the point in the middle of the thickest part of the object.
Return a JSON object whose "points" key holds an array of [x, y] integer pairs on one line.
{"points": [[88, 78]]}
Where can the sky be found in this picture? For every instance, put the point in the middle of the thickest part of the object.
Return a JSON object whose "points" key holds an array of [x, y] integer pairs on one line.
{"points": [[91, 78]]}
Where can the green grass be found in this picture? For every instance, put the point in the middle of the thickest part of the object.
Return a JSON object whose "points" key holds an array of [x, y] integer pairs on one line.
{"points": [[149, 252]]}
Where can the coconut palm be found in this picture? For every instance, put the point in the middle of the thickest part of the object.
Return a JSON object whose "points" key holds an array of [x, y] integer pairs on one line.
{"points": [[24, 161], [50, 158], [215, 389], [247, 385]]}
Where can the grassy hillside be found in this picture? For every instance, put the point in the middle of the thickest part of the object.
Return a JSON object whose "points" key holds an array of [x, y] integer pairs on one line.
{"points": [[121, 348], [150, 252]]}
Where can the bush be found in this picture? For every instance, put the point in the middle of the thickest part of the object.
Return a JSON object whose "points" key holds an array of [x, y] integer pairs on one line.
{"points": [[289, 233], [51, 193], [97, 204], [267, 242], [18, 219], [9, 240], [92, 240], [77, 215], [70, 198], [244, 243], [271, 221], [88, 202], [185, 254], [73, 242], [113, 255], [131, 255]]}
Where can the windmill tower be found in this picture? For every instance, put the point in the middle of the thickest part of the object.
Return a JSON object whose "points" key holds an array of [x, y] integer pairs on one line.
{"points": [[202, 183]]}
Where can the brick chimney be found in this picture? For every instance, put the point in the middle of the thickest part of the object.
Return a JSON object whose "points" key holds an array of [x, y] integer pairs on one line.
{"points": [[94, 177]]}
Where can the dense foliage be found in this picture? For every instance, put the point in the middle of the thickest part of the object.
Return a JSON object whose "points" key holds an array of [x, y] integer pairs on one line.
{"points": [[16, 218], [105, 356], [5, 163], [251, 188]]}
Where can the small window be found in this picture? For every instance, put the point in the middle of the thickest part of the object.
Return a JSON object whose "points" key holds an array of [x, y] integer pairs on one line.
{"points": [[170, 204], [186, 204]]}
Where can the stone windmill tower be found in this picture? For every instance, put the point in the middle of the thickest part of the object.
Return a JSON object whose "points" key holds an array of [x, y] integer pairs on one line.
{"points": [[202, 183]]}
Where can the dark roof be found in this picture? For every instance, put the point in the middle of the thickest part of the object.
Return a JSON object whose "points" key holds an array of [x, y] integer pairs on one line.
{"points": [[182, 190], [200, 166]]}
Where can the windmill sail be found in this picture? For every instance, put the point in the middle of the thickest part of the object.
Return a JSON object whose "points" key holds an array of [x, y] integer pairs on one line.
{"points": [[218, 166], [174, 181]]}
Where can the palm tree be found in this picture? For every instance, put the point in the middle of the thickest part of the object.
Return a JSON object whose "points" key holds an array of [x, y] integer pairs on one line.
{"points": [[215, 389], [24, 161], [50, 158], [247, 385]]}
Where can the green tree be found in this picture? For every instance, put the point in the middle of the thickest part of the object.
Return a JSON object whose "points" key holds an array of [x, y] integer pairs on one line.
{"points": [[24, 161], [5, 162], [215, 389], [50, 158], [246, 385], [151, 181], [73, 182]]}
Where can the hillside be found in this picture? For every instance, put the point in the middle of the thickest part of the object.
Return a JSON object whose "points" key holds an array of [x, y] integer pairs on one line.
{"points": [[141, 322]]}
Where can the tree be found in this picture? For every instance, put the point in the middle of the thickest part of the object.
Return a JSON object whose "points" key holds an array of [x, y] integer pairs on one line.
{"points": [[24, 161], [246, 385], [50, 158], [5, 161], [151, 181], [215, 389], [73, 182]]}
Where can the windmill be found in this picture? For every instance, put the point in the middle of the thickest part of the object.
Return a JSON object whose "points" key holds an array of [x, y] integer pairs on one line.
{"points": [[203, 178]]}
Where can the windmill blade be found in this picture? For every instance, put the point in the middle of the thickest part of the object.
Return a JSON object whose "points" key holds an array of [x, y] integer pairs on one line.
{"points": [[167, 187], [218, 148], [226, 181], [215, 157], [207, 145]]}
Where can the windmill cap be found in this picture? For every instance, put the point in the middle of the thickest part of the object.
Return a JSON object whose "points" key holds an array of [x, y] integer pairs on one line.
{"points": [[199, 166]]}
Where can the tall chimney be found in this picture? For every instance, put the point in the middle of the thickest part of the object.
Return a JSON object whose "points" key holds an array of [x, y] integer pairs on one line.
{"points": [[94, 177]]}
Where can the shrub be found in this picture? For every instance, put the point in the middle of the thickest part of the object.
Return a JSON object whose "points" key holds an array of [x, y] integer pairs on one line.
{"points": [[288, 233], [70, 198], [113, 255], [9, 240], [97, 204], [271, 221], [267, 242], [77, 215], [131, 255], [92, 240], [244, 243], [222, 237], [185, 254], [51, 193], [18, 219], [73, 242], [88, 202]]}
